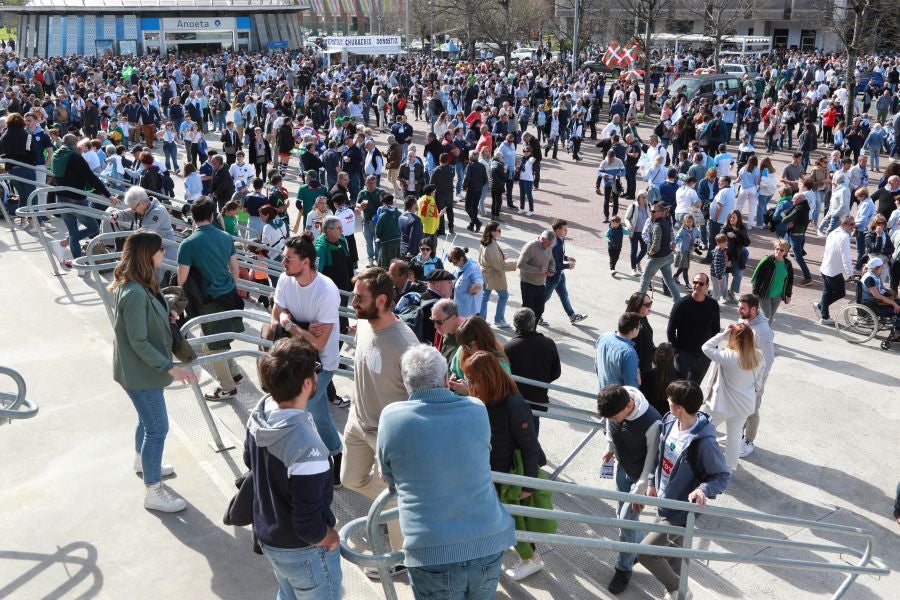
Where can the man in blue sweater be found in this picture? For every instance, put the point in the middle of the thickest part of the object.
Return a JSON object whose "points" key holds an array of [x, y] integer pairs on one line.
{"points": [[292, 481], [455, 529]]}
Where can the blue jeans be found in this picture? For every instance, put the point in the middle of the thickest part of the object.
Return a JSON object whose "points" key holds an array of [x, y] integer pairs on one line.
{"points": [[737, 274], [355, 185], [310, 573], [860, 248], [525, 188], [23, 189], [470, 580], [150, 434], [369, 234], [623, 484], [713, 229], [664, 266], [170, 150], [762, 205], [559, 286], [76, 234], [638, 248], [255, 225], [797, 241], [502, 297], [460, 169], [321, 413]]}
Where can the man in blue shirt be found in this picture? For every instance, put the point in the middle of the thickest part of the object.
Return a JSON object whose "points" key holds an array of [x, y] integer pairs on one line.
{"points": [[617, 359], [458, 542]]}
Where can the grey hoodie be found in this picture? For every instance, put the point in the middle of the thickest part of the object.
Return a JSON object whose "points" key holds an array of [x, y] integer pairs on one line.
{"points": [[289, 434]]}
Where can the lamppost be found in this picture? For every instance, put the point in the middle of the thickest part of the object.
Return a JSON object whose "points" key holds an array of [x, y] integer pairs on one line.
{"points": [[431, 24]]}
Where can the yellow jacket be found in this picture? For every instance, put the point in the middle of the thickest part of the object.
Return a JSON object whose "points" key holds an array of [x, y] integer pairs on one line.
{"points": [[428, 212]]}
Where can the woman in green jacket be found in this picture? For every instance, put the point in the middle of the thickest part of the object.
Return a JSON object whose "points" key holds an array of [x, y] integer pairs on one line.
{"points": [[142, 359]]}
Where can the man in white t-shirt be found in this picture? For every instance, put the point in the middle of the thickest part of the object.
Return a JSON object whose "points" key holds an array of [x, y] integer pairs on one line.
{"points": [[306, 306]]}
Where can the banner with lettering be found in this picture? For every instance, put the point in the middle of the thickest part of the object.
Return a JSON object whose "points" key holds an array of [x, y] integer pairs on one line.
{"points": [[364, 44]]}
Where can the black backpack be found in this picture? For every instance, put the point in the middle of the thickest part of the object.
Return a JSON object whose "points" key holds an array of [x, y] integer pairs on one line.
{"points": [[769, 219], [411, 310]]}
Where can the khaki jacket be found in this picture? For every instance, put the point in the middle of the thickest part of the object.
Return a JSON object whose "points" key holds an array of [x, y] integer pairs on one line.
{"points": [[494, 266]]}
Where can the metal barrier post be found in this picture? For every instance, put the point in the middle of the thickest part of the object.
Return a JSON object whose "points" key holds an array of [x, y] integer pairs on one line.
{"points": [[16, 406], [590, 435], [687, 544]]}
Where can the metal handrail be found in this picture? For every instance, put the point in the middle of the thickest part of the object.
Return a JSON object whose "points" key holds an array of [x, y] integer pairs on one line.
{"points": [[16, 406], [867, 564]]}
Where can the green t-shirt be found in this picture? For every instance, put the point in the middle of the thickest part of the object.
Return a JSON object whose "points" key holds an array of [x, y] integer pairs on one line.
{"points": [[779, 277], [209, 249], [307, 196], [231, 224]]}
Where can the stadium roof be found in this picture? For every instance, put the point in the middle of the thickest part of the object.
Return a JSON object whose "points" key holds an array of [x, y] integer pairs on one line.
{"points": [[157, 6]]}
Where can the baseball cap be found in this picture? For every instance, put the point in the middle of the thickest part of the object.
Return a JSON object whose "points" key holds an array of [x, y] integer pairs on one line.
{"points": [[874, 263], [312, 173]]}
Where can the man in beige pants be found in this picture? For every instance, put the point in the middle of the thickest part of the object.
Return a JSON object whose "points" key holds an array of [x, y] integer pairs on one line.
{"points": [[381, 340]]}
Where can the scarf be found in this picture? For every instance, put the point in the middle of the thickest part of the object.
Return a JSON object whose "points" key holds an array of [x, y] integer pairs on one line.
{"points": [[324, 248]]}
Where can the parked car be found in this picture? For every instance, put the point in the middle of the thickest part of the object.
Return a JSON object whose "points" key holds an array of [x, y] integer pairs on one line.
{"points": [[705, 86], [738, 69], [523, 53]]}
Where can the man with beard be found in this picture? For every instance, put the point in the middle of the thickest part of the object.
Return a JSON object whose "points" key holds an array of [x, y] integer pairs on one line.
{"points": [[381, 340], [306, 307]]}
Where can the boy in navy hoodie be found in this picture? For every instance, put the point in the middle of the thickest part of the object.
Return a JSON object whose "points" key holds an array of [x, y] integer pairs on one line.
{"points": [[690, 467], [292, 480]]}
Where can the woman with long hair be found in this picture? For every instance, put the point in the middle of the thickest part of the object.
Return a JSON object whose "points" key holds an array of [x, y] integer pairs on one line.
{"points": [[635, 218], [512, 427], [494, 265], [660, 376], [640, 303], [474, 334], [773, 280], [737, 376], [142, 359], [738, 239]]}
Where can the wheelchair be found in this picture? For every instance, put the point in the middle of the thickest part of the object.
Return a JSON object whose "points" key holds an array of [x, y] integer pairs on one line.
{"points": [[859, 322]]}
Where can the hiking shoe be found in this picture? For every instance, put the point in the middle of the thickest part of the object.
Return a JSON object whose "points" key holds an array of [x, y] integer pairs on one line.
{"points": [[577, 318], [817, 309], [747, 449], [157, 497], [372, 572], [524, 568], [221, 394], [165, 471], [619, 582]]}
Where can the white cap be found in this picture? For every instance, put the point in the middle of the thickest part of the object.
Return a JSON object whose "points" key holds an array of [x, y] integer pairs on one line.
{"points": [[874, 263]]}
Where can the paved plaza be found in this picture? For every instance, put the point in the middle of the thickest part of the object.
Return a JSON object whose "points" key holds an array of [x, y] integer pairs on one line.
{"points": [[72, 524]]}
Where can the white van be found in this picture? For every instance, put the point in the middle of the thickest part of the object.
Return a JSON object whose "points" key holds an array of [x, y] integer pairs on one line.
{"points": [[738, 69]]}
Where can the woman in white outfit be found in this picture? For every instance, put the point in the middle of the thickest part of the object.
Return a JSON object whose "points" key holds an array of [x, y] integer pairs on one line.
{"points": [[736, 377], [749, 177]]}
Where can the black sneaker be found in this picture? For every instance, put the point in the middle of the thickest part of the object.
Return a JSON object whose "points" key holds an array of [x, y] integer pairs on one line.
{"points": [[577, 318], [543, 323], [619, 582], [221, 394], [372, 572]]}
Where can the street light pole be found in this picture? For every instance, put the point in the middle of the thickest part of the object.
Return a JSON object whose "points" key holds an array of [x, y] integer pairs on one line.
{"points": [[577, 22], [406, 8]]}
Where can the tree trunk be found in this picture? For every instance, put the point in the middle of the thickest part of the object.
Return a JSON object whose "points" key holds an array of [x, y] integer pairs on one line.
{"points": [[850, 75]]}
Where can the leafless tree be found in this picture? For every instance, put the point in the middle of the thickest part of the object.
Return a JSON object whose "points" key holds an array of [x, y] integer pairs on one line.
{"points": [[645, 13], [854, 24], [505, 22], [719, 19], [592, 15]]}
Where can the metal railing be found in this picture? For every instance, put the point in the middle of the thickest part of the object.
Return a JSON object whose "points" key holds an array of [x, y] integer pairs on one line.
{"points": [[17, 405], [867, 564]]}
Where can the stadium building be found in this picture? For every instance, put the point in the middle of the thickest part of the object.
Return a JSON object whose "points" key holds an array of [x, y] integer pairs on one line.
{"points": [[89, 27]]}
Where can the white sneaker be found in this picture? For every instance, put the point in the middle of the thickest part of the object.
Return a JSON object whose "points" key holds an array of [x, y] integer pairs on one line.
{"points": [[159, 498], [674, 595], [520, 212], [58, 251], [139, 467], [524, 568], [639, 269], [635, 273], [530, 213], [747, 449]]}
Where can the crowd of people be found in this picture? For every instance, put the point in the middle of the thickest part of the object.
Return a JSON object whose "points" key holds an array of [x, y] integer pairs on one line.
{"points": [[431, 377]]}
